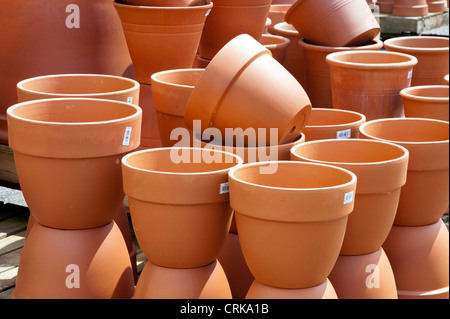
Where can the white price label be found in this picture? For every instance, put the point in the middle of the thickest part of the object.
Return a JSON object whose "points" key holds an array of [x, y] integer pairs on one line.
{"points": [[224, 188], [348, 198], [410, 74], [344, 134], [130, 99], [127, 135]]}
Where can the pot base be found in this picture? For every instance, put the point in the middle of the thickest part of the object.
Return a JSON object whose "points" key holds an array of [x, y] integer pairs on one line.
{"points": [[260, 291]]}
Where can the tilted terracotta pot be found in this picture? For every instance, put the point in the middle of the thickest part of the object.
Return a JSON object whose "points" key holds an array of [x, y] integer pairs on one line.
{"points": [[437, 6], [296, 214], [199, 178], [260, 291], [244, 73], [381, 170], [429, 101], [277, 45], [410, 8], [276, 14], [369, 82], [320, 22], [424, 198], [67, 154], [333, 123], [431, 52]]}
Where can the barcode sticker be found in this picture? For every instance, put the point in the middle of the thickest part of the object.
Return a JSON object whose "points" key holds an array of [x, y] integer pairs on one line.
{"points": [[344, 134], [207, 12], [348, 198], [410, 74], [130, 99], [126, 137], [224, 188]]}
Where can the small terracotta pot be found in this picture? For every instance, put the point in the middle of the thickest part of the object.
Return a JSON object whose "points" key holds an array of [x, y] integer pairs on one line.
{"points": [[260, 291], [171, 90], [67, 154], [297, 213], [426, 101], [367, 276], [166, 3], [276, 14], [419, 257], [410, 8], [244, 73], [333, 123], [54, 261], [385, 6], [437, 6], [199, 178], [230, 18], [381, 170], [320, 22], [207, 282], [369, 82], [277, 45], [424, 198]]}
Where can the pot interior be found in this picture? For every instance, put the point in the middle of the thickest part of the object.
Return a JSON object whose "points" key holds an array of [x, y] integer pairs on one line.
{"points": [[421, 42], [428, 91], [370, 58], [187, 78], [321, 117]]}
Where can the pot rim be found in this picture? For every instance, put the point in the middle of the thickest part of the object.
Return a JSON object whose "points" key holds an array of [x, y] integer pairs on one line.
{"points": [[406, 93], [154, 76], [322, 48], [280, 27], [333, 59], [362, 119], [284, 42], [391, 43]]}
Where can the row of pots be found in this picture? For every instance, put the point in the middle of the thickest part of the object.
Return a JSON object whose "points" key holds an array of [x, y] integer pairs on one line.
{"points": [[411, 8]]}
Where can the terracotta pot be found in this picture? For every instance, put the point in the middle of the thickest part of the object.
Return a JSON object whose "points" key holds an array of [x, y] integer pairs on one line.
{"points": [[424, 197], [207, 282], [364, 277], [410, 8], [437, 6], [152, 177], [156, 36], [419, 258], [150, 137], [385, 6], [426, 101], [369, 82], [171, 90], [245, 73], [320, 22], [67, 154], [431, 52], [323, 291], [381, 170], [317, 74], [277, 235], [283, 1], [333, 123], [277, 45], [276, 14], [166, 3], [230, 18], [54, 261]]}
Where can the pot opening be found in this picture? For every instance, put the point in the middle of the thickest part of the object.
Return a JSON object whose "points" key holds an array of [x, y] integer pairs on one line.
{"points": [[420, 42], [440, 92], [187, 78], [372, 58]]}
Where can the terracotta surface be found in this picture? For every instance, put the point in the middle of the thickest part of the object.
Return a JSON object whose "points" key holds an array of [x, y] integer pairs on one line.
{"points": [[261, 291], [369, 82], [425, 196], [437, 6], [410, 8], [166, 3], [150, 137], [277, 45], [200, 62], [426, 101], [67, 154], [320, 22], [276, 14], [385, 6], [287, 217], [432, 54]]}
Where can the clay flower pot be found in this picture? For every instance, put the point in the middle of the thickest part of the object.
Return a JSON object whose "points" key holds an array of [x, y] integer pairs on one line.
{"points": [[166, 3], [317, 74], [333, 123], [277, 45], [244, 73], [260, 291], [381, 170], [296, 214], [424, 197], [437, 6], [432, 54], [161, 38], [74, 264], [369, 82], [171, 90], [320, 22], [385, 6], [230, 18], [152, 177], [426, 101], [276, 14], [410, 8], [67, 154]]}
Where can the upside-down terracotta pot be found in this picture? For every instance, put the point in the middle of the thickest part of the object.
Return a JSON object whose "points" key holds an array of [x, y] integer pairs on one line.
{"points": [[276, 14], [230, 18], [67, 154], [320, 22], [74, 264], [199, 178], [297, 214], [424, 197], [244, 73], [381, 170], [432, 54], [260, 291], [317, 72], [410, 8], [333, 123], [429, 101], [437, 6], [420, 260], [277, 45], [369, 82], [385, 6]]}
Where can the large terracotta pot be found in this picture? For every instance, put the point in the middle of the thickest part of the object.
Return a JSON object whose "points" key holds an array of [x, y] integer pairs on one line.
{"points": [[431, 52], [199, 178], [381, 170], [410, 8], [437, 6], [369, 82], [244, 73], [260, 291], [67, 154], [277, 45], [297, 214], [317, 72], [425, 196], [320, 22], [429, 101], [230, 18], [56, 45]]}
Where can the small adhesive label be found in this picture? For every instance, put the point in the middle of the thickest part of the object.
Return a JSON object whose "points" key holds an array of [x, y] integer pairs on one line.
{"points": [[127, 135], [207, 12], [410, 74], [344, 134], [130, 99], [348, 198], [224, 188]]}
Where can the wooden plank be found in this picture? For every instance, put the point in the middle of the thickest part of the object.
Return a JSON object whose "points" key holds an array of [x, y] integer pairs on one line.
{"points": [[8, 279], [12, 242], [9, 261], [13, 225], [8, 172]]}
